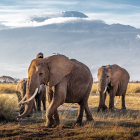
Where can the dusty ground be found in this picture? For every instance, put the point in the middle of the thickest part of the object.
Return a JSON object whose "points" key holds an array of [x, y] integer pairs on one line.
{"points": [[120, 124], [107, 125]]}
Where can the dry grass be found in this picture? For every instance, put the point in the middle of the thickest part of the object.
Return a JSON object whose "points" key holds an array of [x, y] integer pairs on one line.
{"points": [[8, 108], [7, 88], [131, 88], [107, 125]]}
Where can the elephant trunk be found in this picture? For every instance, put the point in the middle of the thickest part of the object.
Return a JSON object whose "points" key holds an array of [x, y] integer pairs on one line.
{"points": [[102, 90], [29, 98], [27, 110]]}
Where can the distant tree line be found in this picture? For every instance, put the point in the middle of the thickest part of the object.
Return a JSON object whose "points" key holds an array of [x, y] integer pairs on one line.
{"points": [[8, 79]]}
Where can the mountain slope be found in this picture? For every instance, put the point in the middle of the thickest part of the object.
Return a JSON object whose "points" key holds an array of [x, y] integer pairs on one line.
{"points": [[92, 42]]}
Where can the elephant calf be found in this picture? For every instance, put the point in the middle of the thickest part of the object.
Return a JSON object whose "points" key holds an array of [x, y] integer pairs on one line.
{"points": [[21, 91], [114, 79], [41, 96]]}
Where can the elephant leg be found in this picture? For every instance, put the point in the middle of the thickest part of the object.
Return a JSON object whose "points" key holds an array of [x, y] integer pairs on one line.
{"points": [[104, 107], [88, 113], [34, 107], [104, 97], [123, 102], [39, 104], [111, 99], [36, 103], [49, 95], [44, 104], [111, 102], [80, 114], [56, 118], [57, 99], [51, 112]]}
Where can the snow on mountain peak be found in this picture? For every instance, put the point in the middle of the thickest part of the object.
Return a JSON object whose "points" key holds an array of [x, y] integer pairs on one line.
{"points": [[48, 15]]}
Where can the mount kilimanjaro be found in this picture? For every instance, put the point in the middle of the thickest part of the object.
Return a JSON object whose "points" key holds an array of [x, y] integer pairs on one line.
{"points": [[73, 34]]}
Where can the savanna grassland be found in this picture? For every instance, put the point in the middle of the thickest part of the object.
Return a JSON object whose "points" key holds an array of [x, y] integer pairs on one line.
{"points": [[107, 125]]}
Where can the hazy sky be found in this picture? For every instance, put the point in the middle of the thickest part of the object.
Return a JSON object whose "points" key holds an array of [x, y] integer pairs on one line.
{"points": [[111, 11]]}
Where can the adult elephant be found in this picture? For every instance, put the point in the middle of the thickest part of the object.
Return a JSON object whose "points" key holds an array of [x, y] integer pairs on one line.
{"points": [[40, 96], [72, 82], [21, 91], [114, 79]]}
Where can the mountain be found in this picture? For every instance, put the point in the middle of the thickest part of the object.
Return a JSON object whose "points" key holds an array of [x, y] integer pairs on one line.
{"points": [[92, 42], [49, 15]]}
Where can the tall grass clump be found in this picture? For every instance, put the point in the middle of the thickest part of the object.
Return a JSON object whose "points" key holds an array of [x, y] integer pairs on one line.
{"points": [[7, 88], [8, 108]]}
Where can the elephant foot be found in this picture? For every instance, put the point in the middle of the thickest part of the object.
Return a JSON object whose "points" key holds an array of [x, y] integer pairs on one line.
{"points": [[56, 124], [30, 115], [104, 107], [78, 123], [50, 124], [90, 119], [111, 109], [98, 109], [123, 108]]}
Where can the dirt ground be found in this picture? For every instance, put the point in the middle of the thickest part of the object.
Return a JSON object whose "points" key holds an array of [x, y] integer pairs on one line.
{"points": [[34, 128]]}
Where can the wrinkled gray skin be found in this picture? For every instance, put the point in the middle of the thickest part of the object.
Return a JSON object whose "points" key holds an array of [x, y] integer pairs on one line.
{"points": [[21, 91], [72, 82], [41, 96], [116, 79]]}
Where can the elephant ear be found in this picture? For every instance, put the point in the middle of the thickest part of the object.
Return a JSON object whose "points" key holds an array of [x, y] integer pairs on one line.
{"points": [[59, 67], [115, 74]]}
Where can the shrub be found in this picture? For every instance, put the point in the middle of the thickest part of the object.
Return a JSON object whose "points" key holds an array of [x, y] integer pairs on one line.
{"points": [[7, 108]]}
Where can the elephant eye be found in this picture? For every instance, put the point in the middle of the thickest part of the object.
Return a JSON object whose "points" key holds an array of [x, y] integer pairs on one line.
{"points": [[40, 73], [107, 76]]}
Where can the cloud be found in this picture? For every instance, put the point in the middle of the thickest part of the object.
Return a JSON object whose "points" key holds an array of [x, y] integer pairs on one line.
{"points": [[109, 11], [29, 23], [18, 70], [49, 2], [25, 20], [2, 27], [138, 36], [110, 18]]}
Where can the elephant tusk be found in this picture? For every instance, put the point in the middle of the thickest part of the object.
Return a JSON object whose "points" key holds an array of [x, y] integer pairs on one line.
{"points": [[105, 89], [22, 100], [32, 96]]}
